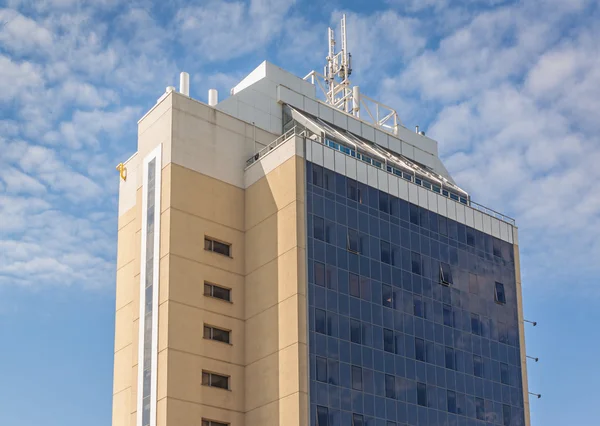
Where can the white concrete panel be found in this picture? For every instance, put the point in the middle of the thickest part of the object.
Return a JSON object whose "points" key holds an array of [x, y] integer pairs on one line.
{"points": [[368, 132], [460, 213], [495, 227], [271, 161], [372, 176], [328, 158], [504, 229], [262, 119], [478, 220], [442, 205], [451, 209], [290, 97], [325, 113], [382, 181], [432, 201], [393, 184], [395, 144], [276, 124], [381, 138], [317, 153], [276, 109], [513, 237], [309, 145], [487, 224], [340, 163], [469, 217], [263, 102], [408, 150], [361, 172], [423, 157], [311, 106], [351, 167], [423, 197], [413, 193], [340, 120], [403, 189], [354, 126]]}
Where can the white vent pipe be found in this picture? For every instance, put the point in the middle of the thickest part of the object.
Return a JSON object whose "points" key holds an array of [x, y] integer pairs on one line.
{"points": [[356, 101], [213, 97], [184, 84]]}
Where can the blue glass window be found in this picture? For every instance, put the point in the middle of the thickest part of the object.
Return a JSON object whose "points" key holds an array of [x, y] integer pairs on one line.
{"points": [[357, 383], [448, 317], [479, 409], [445, 274], [420, 349], [352, 189], [477, 366], [322, 416], [388, 340], [390, 386], [416, 263], [354, 285], [321, 368], [499, 295], [449, 354], [475, 328], [387, 296], [506, 415], [320, 321], [451, 401], [422, 394], [319, 228], [357, 420], [353, 241], [385, 252], [317, 176], [355, 331], [473, 284], [319, 273], [504, 375], [417, 307]]}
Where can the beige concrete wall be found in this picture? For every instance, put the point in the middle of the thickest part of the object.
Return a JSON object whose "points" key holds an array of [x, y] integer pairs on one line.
{"points": [[276, 335], [523, 349]]}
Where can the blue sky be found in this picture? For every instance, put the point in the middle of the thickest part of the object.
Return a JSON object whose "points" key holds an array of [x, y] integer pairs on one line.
{"points": [[511, 90]]}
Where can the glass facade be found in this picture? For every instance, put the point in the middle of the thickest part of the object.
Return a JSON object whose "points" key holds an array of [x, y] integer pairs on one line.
{"points": [[407, 322]]}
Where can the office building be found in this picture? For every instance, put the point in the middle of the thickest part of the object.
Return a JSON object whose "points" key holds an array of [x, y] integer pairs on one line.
{"points": [[293, 255]]}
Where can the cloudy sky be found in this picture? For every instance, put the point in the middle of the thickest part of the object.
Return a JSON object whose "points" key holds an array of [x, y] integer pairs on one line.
{"points": [[511, 90]]}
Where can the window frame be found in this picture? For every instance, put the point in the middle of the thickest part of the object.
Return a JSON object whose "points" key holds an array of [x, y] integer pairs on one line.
{"points": [[446, 276], [211, 246], [211, 293], [211, 329], [496, 298], [206, 422], [210, 375], [349, 247], [423, 387]]}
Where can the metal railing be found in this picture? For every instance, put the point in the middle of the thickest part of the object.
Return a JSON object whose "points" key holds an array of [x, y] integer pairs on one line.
{"points": [[303, 132]]}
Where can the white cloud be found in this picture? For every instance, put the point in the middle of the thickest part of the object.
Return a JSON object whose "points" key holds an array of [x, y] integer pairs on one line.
{"points": [[21, 34], [16, 77]]}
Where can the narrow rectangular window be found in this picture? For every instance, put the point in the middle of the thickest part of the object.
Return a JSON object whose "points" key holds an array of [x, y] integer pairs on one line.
{"points": [[319, 228], [477, 366], [418, 307], [480, 409], [356, 378], [321, 369], [354, 285], [422, 394], [355, 331], [390, 386], [218, 334], [357, 420], [352, 189], [322, 416], [448, 317], [352, 241], [213, 423], [388, 341], [475, 329], [504, 376], [385, 252], [420, 349], [218, 292], [320, 321], [445, 274], [384, 202], [217, 246], [451, 398], [450, 360], [215, 380], [319, 274], [500, 296], [416, 263], [502, 332], [506, 415], [473, 285], [317, 177], [387, 296]]}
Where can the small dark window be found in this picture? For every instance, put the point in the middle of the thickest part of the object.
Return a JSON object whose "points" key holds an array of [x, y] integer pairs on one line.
{"points": [[322, 416], [416, 263], [385, 252], [352, 189], [356, 378], [500, 296], [217, 246], [418, 307], [321, 369], [215, 380], [477, 366], [357, 420], [506, 415], [355, 331], [354, 285], [319, 274], [387, 296], [317, 175], [420, 349], [213, 423], [353, 241], [504, 376], [388, 341], [218, 292], [448, 317], [320, 321], [445, 274], [319, 228], [384, 202], [218, 334], [390, 386], [475, 327], [449, 352], [473, 284], [422, 394], [451, 398], [480, 409], [502, 332], [414, 214]]}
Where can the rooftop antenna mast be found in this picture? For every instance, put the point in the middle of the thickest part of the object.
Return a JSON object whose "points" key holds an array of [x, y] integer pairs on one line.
{"points": [[337, 71]]}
